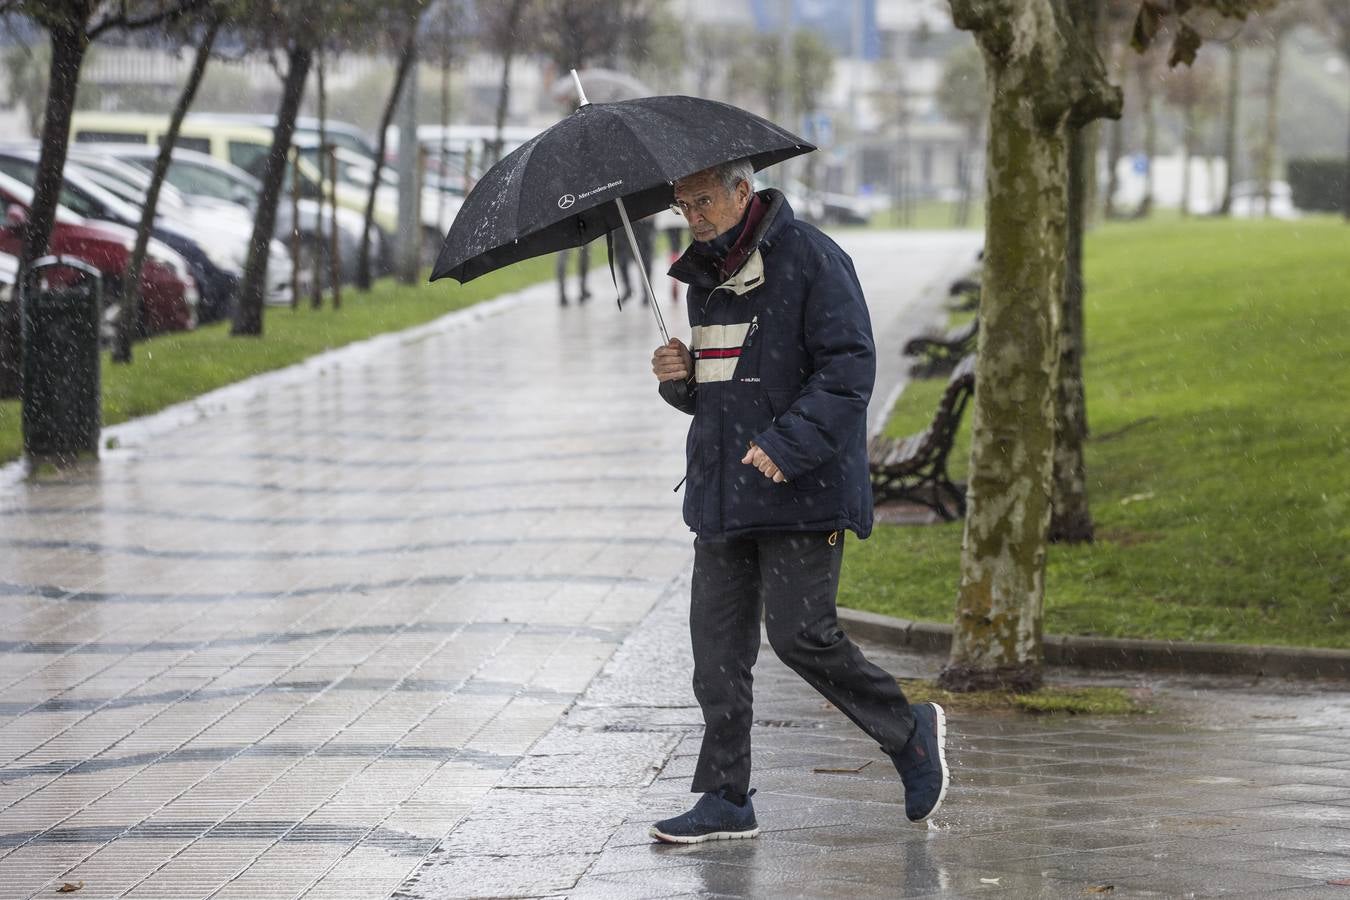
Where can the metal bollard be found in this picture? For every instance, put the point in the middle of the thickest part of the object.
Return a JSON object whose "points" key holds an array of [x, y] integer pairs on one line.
{"points": [[62, 395]]}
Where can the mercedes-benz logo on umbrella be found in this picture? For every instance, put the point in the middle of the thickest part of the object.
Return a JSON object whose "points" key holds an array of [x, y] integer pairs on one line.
{"points": [[566, 201]]}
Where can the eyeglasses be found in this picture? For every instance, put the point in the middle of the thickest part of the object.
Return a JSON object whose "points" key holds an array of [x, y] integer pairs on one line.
{"points": [[702, 204]]}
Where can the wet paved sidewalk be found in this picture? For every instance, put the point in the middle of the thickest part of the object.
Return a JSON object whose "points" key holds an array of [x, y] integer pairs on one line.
{"points": [[288, 649], [1227, 789]]}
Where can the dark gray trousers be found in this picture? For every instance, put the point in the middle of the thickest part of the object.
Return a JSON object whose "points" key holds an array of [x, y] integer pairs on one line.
{"points": [[792, 579]]}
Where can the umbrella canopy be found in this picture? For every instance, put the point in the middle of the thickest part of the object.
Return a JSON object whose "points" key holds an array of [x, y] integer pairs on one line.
{"points": [[558, 189]]}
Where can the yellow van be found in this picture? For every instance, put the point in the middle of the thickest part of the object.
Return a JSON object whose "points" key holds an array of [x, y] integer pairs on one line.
{"points": [[240, 143]]}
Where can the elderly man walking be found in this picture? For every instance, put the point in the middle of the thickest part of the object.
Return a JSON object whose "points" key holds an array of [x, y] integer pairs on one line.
{"points": [[777, 382]]}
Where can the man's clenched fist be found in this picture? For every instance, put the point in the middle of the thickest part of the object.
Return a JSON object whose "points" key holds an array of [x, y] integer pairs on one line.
{"points": [[672, 362]]}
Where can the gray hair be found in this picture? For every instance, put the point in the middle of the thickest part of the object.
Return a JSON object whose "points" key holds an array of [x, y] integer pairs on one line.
{"points": [[730, 174]]}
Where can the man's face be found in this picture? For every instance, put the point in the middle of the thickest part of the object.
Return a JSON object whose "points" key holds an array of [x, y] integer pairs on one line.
{"points": [[709, 208]]}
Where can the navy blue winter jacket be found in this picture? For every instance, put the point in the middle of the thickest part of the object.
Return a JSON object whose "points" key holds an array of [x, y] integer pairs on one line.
{"points": [[784, 358]]}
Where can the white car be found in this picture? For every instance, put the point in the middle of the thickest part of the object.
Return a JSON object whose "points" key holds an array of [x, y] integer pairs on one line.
{"points": [[1249, 203], [354, 174], [205, 180]]}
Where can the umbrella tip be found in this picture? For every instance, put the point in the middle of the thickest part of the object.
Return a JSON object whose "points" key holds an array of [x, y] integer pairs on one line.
{"points": [[581, 93]]}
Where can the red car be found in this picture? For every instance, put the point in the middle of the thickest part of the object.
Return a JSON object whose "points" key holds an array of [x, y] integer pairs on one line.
{"points": [[168, 291]]}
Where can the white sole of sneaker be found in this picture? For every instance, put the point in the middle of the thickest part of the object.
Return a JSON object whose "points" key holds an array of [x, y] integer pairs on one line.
{"points": [[942, 761], [714, 836]]}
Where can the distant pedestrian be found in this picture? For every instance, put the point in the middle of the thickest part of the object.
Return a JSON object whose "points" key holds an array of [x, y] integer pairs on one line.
{"points": [[583, 254], [672, 224], [778, 379], [644, 233]]}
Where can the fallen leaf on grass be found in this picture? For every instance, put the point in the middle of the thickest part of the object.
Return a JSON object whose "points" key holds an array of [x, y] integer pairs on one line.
{"points": [[825, 770], [68, 888], [989, 880], [1099, 889]]}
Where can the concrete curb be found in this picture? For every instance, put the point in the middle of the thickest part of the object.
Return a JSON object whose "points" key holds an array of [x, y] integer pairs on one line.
{"points": [[1121, 653]]}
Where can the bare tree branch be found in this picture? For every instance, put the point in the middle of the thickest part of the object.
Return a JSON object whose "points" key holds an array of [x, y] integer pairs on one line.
{"points": [[125, 20]]}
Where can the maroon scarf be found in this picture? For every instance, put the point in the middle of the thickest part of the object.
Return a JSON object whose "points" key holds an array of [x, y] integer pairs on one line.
{"points": [[745, 242]]}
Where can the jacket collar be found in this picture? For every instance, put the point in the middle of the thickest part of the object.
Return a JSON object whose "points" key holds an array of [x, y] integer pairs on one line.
{"points": [[700, 268]]}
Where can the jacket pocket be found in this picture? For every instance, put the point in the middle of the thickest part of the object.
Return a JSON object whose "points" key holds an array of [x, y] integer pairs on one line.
{"points": [[780, 400]]}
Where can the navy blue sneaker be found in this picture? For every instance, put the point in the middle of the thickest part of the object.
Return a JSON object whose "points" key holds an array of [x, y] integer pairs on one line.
{"points": [[713, 818], [923, 764]]}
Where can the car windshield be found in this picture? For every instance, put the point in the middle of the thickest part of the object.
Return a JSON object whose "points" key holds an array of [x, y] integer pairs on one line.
{"points": [[78, 191], [202, 180], [130, 190], [12, 190], [25, 171], [353, 169]]}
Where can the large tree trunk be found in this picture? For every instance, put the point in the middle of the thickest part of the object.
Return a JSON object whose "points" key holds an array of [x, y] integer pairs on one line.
{"points": [[128, 321], [1187, 150], [1230, 125], [1345, 198], [1115, 149], [966, 164], [1270, 143], [997, 639], [69, 46], [1115, 142], [442, 196], [248, 316], [1071, 519], [405, 58], [504, 89], [1071, 516], [317, 276], [1149, 109]]}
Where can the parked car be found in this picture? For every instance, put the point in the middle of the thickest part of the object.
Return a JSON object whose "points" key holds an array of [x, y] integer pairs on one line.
{"points": [[355, 172], [339, 133], [204, 178], [806, 204], [462, 150], [845, 209], [242, 144], [168, 292], [82, 195], [222, 231], [1249, 202]]}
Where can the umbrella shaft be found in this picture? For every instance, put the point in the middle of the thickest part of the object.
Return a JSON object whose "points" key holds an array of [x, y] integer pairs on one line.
{"points": [[642, 270]]}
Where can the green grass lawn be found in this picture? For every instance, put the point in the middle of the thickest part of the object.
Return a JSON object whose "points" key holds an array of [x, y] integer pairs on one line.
{"points": [[178, 366], [1217, 384]]}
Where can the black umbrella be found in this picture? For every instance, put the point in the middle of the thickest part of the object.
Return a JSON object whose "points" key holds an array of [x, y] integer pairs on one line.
{"points": [[588, 174]]}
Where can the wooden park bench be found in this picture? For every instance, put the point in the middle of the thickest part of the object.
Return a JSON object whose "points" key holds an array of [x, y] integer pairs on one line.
{"points": [[964, 294], [939, 353], [914, 468]]}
